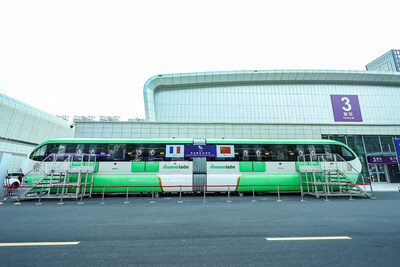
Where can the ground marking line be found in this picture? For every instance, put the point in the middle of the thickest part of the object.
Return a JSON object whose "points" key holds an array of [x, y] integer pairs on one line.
{"points": [[306, 238], [38, 244]]}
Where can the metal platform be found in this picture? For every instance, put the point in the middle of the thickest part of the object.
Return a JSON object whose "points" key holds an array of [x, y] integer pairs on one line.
{"points": [[70, 178], [324, 175]]}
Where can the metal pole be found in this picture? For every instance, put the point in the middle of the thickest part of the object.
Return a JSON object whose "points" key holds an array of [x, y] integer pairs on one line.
{"points": [[81, 202], [348, 188], [372, 192], [152, 197], [40, 197], [2, 195], [254, 197], [19, 196], [204, 198], [301, 190], [61, 198], [363, 181], [127, 195], [180, 195], [229, 196], [326, 194], [279, 196], [102, 197]]}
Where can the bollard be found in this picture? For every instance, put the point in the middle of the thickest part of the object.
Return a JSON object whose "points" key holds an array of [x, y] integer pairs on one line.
{"points": [[180, 195], [102, 197], [40, 198], [61, 198], [152, 197], [229, 196], [254, 196], [372, 192], [19, 196], [127, 195], [2, 195], [302, 194], [81, 202], [326, 194], [204, 198], [363, 181], [279, 195], [62, 195], [348, 188]]}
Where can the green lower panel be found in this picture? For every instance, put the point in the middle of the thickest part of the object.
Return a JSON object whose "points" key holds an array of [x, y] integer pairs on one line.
{"points": [[246, 182], [286, 182], [268, 182], [113, 183]]}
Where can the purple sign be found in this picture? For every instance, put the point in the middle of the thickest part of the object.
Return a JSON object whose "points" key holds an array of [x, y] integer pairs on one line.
{"points": [[346, 108], [382, 159], [200, 151]]}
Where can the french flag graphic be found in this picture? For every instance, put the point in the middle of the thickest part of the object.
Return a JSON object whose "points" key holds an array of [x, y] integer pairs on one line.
{"points": [[174, 151]]}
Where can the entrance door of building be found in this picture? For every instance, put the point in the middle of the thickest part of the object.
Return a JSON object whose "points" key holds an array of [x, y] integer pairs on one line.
{"points": [[377, 173], [392, 171]]}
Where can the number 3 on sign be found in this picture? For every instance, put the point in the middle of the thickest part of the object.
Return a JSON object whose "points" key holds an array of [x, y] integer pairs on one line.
{"points": [[346, 101]]}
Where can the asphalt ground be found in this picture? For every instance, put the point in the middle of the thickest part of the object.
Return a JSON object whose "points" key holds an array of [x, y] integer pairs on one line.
{"points": [[215, 233]]}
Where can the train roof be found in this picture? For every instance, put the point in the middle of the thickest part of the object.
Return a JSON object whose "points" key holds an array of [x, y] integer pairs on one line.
{"points": [[186, 141]]}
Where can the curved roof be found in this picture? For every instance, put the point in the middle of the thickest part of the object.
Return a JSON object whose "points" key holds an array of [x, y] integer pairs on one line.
{"points": [[205, 79]]}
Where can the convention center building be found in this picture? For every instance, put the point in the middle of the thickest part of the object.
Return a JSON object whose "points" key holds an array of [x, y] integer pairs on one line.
{"points": [[358, 108]]}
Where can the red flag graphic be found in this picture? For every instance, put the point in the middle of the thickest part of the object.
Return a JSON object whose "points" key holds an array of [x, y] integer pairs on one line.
{"points": [[225, 149]]}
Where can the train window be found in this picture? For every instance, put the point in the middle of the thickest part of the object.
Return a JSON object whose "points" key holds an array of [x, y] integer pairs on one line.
{"points": [[79, 148], [300, 152], [259, 153], [291, 153], [346, 154], [39, 153], [70, 148], [156, 152], [50, 151], [135, 152], [61, 152], [277, 152], [310, 150], [115, 152], [250, 152], [336, 150], [61, 149], [327, 149], [93, 149], [242, 153]]}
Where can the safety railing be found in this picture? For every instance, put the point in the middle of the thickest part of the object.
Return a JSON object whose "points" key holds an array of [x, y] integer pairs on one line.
{"points": [[153, 191]]}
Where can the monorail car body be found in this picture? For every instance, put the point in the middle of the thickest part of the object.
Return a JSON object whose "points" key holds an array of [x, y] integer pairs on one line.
{"points": [[170, 165]]}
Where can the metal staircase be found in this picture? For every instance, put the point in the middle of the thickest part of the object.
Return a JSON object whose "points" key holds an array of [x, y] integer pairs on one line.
{"points": [[60, 176], [323, 175]]}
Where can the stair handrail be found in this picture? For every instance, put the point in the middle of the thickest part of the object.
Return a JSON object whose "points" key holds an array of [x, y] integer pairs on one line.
{"points": [[37, 165]]}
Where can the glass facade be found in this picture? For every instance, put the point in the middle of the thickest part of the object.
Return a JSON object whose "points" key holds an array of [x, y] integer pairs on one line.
{"points": [[366, 145], [389, 62], [274, 103], [22, 127]]}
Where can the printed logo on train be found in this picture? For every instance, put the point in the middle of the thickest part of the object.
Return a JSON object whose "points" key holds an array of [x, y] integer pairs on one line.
{"points": [[175, 167], [223, 167]]}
